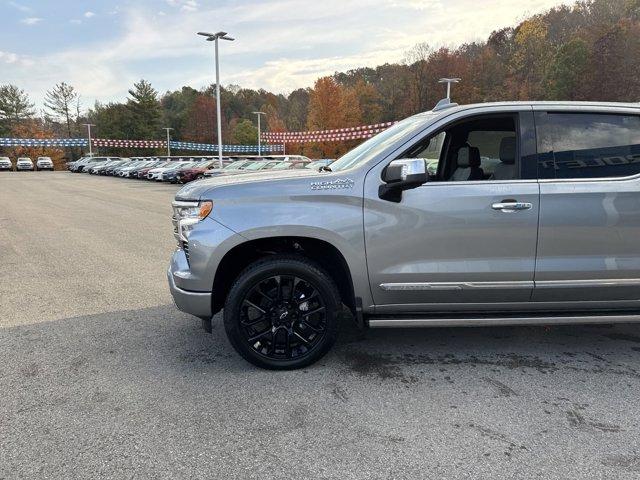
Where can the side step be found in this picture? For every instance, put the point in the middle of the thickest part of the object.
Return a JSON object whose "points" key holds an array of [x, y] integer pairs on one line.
{"points": [[497, 320]]}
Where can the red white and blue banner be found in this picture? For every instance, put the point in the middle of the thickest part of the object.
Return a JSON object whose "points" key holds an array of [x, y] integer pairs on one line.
{"points": [[43, 142], [117, 143], [207, 147], [339, 134]]}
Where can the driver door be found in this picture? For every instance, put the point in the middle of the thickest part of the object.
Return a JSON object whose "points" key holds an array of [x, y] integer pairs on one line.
{"points": [[448, 243]]}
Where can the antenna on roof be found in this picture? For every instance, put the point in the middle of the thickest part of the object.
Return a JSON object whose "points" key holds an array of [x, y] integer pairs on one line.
{"points": [[446, 102], [449, 81]]}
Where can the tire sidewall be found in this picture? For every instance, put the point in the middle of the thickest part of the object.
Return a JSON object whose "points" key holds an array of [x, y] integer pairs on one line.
{"points": [[283, 266]]}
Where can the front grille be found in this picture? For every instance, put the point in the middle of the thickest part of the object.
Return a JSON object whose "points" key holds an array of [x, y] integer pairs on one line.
{"points": [[185, 247]]}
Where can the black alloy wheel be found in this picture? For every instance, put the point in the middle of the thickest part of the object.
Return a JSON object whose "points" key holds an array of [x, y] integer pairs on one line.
{"points": [[281, 313]]}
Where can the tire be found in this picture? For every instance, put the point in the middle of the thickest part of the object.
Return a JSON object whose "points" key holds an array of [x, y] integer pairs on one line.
{"points": [[282, 313]]}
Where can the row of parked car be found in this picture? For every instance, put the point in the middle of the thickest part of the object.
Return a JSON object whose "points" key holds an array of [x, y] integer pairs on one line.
{"points": [[183, 169], [25, 163]]}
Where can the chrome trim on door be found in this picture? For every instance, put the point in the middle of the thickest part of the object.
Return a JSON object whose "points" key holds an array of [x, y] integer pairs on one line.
{"points": [[419, 286], [493, 321], [453, 285], [613, 282]]}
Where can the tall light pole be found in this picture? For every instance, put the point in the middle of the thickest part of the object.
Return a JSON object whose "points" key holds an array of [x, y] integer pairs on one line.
{"points": [[449, 81], [89, 125], [214, 37], [168, 140], [259, 139]]}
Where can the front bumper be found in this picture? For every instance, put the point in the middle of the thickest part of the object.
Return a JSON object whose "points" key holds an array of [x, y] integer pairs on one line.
{"points": [[194, 303]]}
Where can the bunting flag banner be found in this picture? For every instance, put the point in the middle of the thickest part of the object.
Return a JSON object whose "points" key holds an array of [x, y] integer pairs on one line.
{"points": [[207, 147], [43, 142], [348, 133], [117, 143], [108, 142]]}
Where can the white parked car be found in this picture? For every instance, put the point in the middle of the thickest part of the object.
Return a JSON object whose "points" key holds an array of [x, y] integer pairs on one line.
{"points": [[44, 163], [5, 163], [24, 163], [156, 173]]}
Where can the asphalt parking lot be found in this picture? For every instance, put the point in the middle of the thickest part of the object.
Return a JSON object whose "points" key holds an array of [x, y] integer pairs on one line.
{"points": [[101, 377]]}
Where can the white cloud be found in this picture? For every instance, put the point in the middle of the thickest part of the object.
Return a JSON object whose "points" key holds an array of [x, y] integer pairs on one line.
{"points": [[185, 5], [15, 59], [31, 20], [89, 14], [75, 21], [280, 45], [19, 6]]}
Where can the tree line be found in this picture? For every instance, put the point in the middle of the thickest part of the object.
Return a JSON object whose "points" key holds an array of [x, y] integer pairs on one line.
{"points": [[586, 51]]}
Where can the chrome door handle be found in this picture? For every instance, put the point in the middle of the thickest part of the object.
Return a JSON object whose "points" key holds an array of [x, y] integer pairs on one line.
{"points": [[509, 206]]}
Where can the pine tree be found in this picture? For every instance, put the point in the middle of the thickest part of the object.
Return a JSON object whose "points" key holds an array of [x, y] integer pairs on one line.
{"points": [[15, 107], [145, 110]]}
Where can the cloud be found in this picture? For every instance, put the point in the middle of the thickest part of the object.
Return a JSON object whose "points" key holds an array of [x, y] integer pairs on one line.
{"points": [[185, 5], [89, 14], [280, 45], [14, 59], [19, 6], [31, 20]]}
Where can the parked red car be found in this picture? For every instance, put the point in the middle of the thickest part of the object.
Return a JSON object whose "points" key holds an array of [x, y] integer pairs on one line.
{"points": [[195, 173]]}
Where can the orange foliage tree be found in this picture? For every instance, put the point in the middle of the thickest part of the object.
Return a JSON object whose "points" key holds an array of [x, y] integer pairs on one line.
{"points": [[33, 129]]}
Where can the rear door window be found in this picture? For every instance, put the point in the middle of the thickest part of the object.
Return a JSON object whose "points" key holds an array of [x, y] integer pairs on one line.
{"points": [[588, 145]]}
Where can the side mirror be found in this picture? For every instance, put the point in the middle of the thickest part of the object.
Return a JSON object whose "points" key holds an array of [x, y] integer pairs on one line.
{"points": [[402, 174]]}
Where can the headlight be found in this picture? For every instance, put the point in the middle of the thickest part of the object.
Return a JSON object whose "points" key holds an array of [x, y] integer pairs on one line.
{"points": [[186, 215]]}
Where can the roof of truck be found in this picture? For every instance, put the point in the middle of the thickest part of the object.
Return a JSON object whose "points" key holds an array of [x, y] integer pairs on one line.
{"points": [[444, 106]]}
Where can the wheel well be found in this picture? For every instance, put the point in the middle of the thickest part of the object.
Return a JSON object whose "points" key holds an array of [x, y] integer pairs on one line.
{"points": [[323, 253]]}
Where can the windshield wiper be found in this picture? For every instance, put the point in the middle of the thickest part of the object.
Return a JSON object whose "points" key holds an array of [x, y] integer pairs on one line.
{"points": [[325, 168]]}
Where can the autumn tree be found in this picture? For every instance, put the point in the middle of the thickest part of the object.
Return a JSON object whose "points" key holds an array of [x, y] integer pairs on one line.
{"points": [[331, 106], [530, 59], [201, 121], [33, 128]]}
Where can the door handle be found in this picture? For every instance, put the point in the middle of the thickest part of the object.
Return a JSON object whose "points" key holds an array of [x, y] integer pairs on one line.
{"points": [[510, 206]]}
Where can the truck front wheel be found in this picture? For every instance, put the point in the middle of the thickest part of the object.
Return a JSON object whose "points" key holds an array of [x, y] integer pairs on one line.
{"points": [[282, 313]]}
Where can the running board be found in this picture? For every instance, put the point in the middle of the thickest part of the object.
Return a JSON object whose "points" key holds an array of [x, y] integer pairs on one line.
{"points": [[484, 321]]}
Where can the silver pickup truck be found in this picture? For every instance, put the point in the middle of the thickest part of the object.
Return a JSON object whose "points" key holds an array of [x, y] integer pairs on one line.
{"points": [[489, 214]]}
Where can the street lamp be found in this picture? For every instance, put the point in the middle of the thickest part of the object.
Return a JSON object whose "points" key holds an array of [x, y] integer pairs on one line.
{"points": [[449, 81], [258, 114], [168, 140], [89, 125], [213, 37]]}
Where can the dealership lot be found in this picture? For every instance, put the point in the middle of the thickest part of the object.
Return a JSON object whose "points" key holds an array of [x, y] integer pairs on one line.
{"points": [[100, 376]]}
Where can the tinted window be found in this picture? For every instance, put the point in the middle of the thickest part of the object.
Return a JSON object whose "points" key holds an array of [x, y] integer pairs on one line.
{"points": [[589, 145]]}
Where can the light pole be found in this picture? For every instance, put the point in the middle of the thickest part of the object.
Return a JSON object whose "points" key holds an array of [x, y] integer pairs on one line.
{"points": [[168, 140], [213, 37], [258, 114], [89, 125], [449, 81]]}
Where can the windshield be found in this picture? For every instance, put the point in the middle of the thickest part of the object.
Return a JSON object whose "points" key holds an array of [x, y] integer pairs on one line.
{"points": [[256, 166], [372, 147], [235, 165]]}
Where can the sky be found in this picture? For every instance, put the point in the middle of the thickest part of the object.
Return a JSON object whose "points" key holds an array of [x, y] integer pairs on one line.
{"points": [[102, 47]]}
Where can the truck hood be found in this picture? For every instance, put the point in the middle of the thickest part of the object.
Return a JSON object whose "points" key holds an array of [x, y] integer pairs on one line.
{"points": [[195, 190]]}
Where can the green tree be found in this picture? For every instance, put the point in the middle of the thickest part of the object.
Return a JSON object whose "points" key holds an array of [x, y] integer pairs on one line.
{"points": [[568, 71], [146, 111], [15, 107], [61, 101], [245, 133]]}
